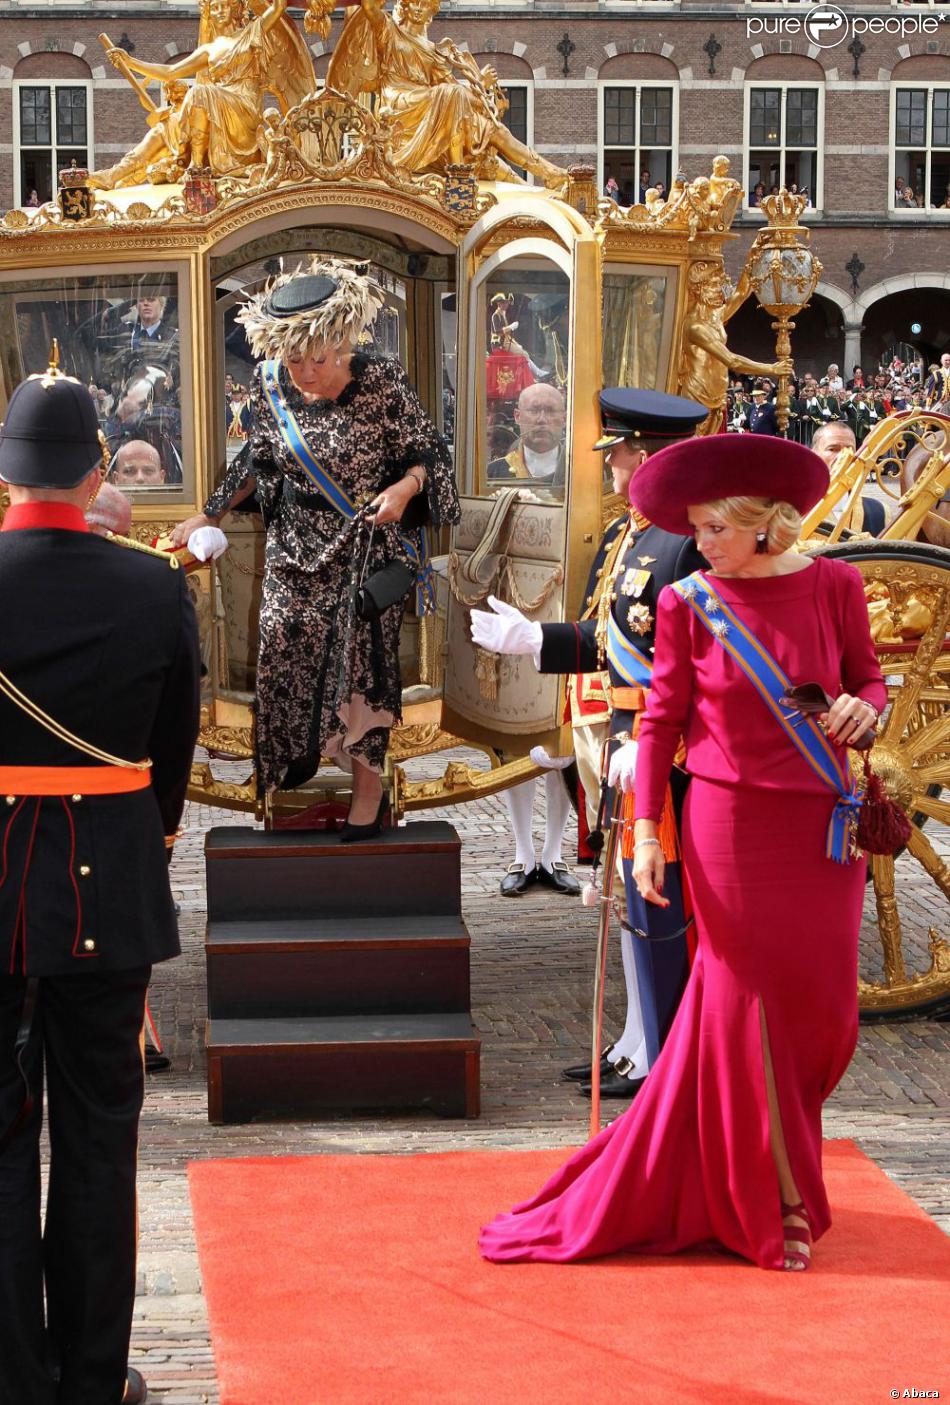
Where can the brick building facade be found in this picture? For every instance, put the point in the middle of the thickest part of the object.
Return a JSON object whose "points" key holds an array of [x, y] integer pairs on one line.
{"points": [[634, 87]]}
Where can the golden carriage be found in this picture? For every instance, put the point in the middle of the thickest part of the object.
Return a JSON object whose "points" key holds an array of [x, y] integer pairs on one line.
{"points": [[490, 285]]}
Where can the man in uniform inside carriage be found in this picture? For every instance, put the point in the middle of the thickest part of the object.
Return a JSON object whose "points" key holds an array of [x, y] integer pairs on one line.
{"points": [[618, 637]]}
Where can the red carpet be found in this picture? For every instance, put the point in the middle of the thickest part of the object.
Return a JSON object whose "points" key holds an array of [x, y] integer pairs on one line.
{"points": [[356, 1280]]}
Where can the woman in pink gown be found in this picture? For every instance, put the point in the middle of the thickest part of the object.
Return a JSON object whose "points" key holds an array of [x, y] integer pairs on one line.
{"points": [[723, 1144]]}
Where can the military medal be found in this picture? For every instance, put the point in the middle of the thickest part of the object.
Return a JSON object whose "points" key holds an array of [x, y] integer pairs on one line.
{"points": [[639, 619], [634, 582]]}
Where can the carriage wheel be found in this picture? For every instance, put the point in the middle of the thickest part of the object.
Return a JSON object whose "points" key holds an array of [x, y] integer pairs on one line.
{"points": [[904, 969]]}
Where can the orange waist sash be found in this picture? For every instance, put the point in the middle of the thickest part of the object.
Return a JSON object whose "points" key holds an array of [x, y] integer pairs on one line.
{"points": [[624, 699], [72, 780]]}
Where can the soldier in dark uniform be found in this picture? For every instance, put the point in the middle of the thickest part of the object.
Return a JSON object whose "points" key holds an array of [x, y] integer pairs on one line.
{"points": [[620, 639], [98, 719]]}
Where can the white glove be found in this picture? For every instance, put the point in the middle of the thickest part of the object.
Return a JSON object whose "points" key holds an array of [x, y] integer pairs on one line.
{"points": [[207, 543], [549, 763], [506, 631], [623, 766]]}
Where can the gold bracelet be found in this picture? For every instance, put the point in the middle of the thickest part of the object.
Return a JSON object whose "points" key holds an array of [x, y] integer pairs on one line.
{"points": [[418, 477]]}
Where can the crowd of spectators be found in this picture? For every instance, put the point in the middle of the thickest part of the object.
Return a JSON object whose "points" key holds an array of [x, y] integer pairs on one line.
{"points": [[861, 401], [635, 193], [907, 198]]}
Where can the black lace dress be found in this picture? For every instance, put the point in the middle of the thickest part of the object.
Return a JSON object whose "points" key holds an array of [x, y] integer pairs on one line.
{"points": [[325, 685]]}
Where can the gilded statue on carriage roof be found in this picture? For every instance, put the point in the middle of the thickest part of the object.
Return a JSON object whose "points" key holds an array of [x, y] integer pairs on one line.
{"points": [[438, 107]]}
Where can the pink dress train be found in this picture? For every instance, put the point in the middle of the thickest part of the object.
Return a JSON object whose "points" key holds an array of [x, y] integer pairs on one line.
{"points": [[777, 927]]}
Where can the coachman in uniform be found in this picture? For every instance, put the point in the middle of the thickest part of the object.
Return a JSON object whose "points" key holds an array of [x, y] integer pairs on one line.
{"points": [[98, 719], [618, 636]]}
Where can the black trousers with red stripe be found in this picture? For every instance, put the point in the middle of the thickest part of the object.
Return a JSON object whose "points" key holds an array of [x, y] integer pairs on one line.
{"points": [[86, 1039]]}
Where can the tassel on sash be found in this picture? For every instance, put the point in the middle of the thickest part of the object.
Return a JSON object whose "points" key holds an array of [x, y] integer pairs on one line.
{"points": [[665, 832]]}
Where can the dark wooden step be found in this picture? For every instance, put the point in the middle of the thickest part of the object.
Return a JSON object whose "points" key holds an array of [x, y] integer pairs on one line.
{"points": [[337, 966], [254, 874], [260, 1069]]}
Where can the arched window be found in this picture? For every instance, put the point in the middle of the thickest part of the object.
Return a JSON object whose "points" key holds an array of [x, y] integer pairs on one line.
{"points": [[920, 146], [519, 119], [784, 137], [52, 128], [638, 136]]}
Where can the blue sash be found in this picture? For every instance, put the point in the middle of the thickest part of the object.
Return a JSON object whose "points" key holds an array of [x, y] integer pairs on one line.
{"points": [[626, 659], [415, 543], [771, 682]]}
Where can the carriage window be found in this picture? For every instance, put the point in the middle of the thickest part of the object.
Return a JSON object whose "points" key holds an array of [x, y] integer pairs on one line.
{"points": [[121, 336], [637, 326], [524, 412], [449, 315]]}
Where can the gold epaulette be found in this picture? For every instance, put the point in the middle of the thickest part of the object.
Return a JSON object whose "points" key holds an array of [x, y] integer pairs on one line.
{"points": [[604, 596], [613, 507], [606, 569], [133, 545]]}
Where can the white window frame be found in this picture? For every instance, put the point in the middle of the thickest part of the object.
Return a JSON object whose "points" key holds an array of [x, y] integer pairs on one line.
{"points": [[818, 194], [528, 85], [52, 83], [925, 211], [641, 83]]}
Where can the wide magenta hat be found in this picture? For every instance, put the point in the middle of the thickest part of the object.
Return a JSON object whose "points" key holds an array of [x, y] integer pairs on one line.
{"points": [[704, 469]]}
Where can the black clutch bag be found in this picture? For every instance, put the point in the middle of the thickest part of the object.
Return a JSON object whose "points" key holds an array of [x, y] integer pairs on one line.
{"points": [[384, 588]]}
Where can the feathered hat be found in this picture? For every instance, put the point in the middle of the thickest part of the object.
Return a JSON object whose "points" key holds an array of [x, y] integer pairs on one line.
{"points": [[329, 302]]}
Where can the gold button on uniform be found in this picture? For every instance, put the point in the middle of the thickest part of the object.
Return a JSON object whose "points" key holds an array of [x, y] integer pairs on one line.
{"points": [[89, 944], [11, 799], [84, 870], [76, 799]]}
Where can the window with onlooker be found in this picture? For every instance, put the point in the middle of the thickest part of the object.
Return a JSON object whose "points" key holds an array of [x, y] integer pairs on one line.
{"points": [[121, 334], [784, 138], [519, 119], [921, 144], [52, 131], [638, 137]]}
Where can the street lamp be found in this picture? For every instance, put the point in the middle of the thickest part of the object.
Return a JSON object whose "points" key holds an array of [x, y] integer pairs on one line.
{"points": [[784, 273]]}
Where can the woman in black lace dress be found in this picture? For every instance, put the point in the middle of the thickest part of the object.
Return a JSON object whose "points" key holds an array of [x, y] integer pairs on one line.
{"points": [[327, 683]]}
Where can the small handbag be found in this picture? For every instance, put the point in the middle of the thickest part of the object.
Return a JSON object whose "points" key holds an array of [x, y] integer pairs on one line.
{"points": [[883, 828], [384, 588]]}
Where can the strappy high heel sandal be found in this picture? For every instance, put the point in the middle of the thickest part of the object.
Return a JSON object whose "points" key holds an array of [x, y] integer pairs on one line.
{"points": [[797, 1238]]}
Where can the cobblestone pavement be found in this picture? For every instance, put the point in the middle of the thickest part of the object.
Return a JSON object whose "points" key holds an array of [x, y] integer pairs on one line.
{"points": [[531, 979]]}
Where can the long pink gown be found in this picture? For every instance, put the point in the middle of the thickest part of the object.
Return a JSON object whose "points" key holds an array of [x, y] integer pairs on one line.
{"points": [[777, 927]]}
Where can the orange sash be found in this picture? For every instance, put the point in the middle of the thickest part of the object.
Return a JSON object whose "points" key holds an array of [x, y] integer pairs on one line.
{"points": [[72, 780]]}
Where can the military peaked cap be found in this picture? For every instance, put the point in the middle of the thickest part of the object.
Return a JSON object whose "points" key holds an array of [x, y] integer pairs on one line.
{"points": [[628, 414]]}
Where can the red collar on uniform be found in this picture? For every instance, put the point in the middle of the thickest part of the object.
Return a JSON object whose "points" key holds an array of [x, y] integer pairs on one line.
{"points": [[61, 515]]}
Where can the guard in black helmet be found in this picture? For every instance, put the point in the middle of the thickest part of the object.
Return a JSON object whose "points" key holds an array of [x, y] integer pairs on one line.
{"points": [[98, 718], [616, 636]]}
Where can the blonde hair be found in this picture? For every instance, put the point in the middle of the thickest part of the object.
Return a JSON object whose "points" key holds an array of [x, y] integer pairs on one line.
{"points": [[781, 521]]}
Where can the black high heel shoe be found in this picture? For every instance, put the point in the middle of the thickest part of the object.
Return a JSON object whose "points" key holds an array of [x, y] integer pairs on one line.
{"points": [[353, 833]]}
